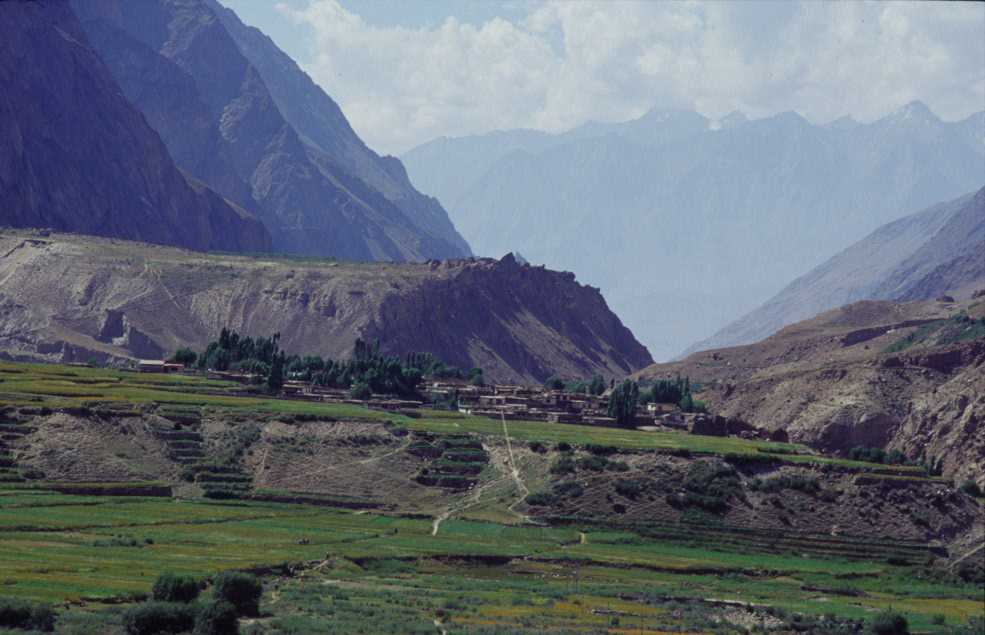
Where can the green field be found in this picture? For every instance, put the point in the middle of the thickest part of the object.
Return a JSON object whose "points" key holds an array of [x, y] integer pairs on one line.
{"points": [[59, 386], [329, 570], [474, 575]]}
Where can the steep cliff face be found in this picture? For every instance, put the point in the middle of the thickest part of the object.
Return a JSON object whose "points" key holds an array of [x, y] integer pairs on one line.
{"points": [[76, 156], [906, 376], [69, 298], [177, 62], [323, 126]]}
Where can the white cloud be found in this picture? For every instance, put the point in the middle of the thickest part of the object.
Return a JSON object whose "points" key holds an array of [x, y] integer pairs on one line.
{"points": [[567, 62]]}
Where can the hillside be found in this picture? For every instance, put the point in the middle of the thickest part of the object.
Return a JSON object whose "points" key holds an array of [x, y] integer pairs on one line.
{"points": [[919, 257], [101, 170], [686, 223], [69, 298], [904, 376], [181, 66]]}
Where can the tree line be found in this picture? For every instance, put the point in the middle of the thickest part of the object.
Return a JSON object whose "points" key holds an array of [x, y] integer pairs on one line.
{"points": [[366, 372]]}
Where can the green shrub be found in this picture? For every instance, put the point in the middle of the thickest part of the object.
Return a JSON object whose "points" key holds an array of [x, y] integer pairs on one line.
{"points": [[540, 499], [630, 487], [361, 391], [971, 488], [159, 617], [890, 623], [216, 618], [563, 446], [175, 588], [242, 590], [564, 465], [26, 615], [594, 463]]}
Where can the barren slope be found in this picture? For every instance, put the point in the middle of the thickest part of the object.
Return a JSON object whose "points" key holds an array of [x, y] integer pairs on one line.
{"points": [[831, 383], [68, 297]]}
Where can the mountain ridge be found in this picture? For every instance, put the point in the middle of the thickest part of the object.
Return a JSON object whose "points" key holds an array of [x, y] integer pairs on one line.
{"points": [[68, 298], [918, 257], [227, 129], [739, 209], [104, 170]]}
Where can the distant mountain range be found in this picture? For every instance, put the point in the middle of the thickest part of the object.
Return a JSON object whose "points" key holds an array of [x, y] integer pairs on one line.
{"points": [[919, 257], [687, 223], [76, 156]]}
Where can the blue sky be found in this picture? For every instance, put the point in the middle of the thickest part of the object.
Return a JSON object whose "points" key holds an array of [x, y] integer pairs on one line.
{"points": [[407, 71]]}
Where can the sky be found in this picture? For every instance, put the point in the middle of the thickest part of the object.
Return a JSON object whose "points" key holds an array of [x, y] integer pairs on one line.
{"points": [[408, 71]]}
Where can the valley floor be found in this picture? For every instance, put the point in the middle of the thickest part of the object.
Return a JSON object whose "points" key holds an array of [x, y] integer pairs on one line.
{"points": [[406, 556]]}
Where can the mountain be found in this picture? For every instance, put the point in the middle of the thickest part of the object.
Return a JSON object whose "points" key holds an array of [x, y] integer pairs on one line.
{"points": [[65, 298], [76, 156], [321, 124], [687, 223], [919, 257], [899, 376], [299, 167]]}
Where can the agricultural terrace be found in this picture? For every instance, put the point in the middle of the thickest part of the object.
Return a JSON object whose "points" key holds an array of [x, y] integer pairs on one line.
{"points": [[59, 386]]}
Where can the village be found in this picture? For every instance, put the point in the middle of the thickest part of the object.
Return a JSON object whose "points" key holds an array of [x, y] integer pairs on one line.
{"points": [[506, 402]]}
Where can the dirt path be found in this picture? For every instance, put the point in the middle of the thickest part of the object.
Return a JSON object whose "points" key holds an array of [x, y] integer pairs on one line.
{"points": [[967, 555]]}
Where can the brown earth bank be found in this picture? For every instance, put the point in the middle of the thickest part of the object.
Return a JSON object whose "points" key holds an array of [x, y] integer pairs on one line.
{"points": [[69, 297], [874, 373], [756, 502]]}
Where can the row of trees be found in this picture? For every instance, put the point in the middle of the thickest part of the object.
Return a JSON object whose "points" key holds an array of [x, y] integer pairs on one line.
{"points": [[595, 386], [368, 371]]}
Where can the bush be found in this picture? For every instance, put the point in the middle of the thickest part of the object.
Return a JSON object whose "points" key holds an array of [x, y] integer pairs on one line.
{"points": [[217, 618], [540, 499], [242, 590], [360, 391], [175, 588], [630, 487], [26, 615], [159, 617], [971, 488], [564, 465], [890, 623], [563, 447]]}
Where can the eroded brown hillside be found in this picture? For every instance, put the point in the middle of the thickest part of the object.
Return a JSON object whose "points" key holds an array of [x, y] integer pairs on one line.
{"points": [[68, 298], [851, 377]]}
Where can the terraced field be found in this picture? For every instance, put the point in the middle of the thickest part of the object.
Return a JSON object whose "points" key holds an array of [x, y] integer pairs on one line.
{"points": [[100, 550], [55, 386], [459, 551]]}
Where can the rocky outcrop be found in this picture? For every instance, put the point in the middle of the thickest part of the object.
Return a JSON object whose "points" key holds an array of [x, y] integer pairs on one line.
{"points": [[178, 63], [912, 384], [76, 156], [68, 298]]}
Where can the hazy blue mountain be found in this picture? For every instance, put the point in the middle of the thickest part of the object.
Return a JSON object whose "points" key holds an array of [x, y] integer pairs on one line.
{"points": [[76, 156], [178, 63], [686, 223], [919, 257]]}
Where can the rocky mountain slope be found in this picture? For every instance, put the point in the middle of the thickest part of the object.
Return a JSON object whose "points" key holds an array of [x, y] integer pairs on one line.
{"points": [[920, 257], [69, 297], [76, 156], [724, 213], [299, 167], [906, 376]]}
